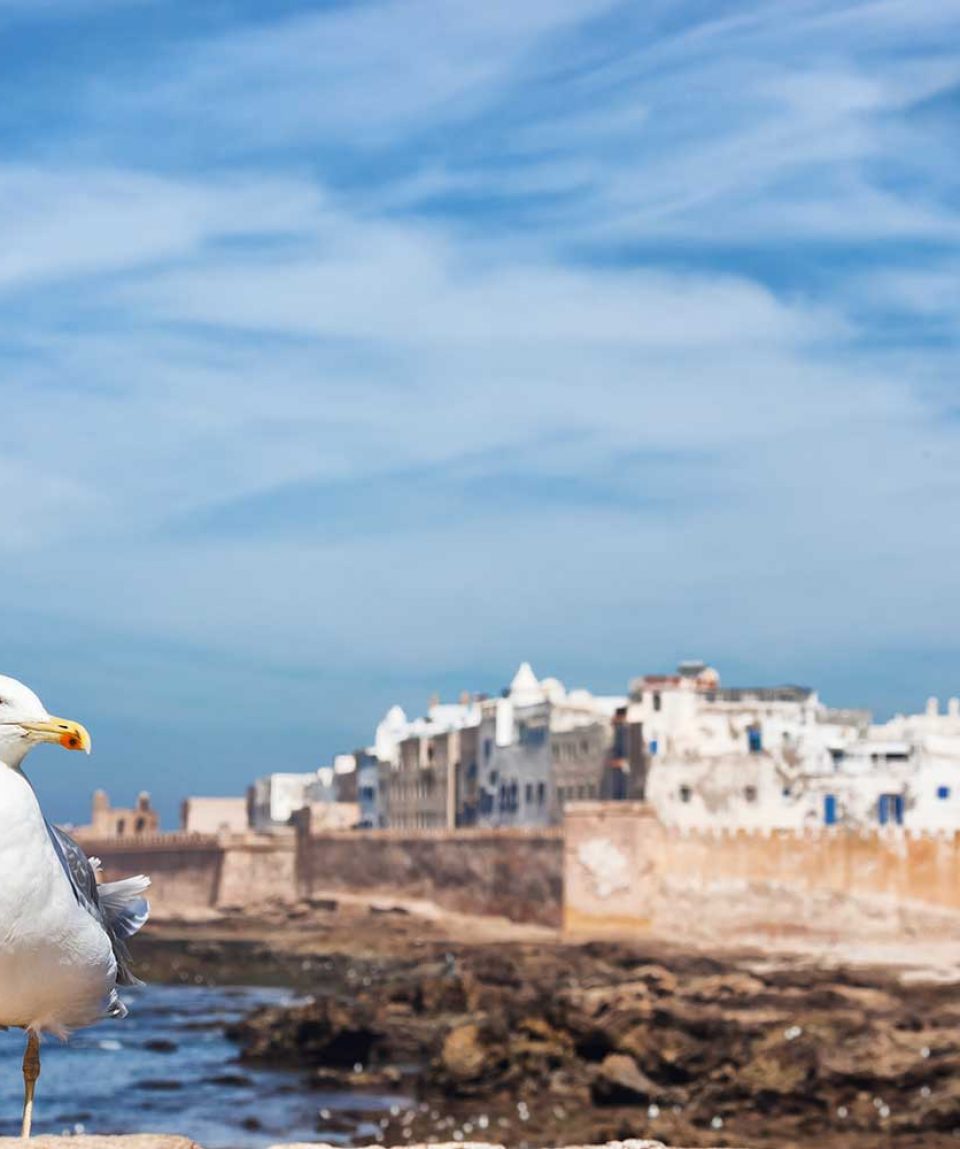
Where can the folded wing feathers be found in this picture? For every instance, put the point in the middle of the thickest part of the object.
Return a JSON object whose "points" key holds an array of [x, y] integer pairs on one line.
{"points": [[124, 910], [124, 906]]}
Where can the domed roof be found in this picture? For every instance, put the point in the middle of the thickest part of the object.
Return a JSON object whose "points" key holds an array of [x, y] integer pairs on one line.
{"points": [[395, 718], [553, 689], [525, 686]]}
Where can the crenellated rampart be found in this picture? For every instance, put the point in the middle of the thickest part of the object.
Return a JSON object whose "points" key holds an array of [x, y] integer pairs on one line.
{"points": [[624, 872], [613, 869]]}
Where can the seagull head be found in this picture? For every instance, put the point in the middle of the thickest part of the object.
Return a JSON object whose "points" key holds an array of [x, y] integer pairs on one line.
{"points": [[24, 722]]}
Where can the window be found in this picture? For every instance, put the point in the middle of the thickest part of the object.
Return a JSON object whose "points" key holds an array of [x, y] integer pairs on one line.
{"points": [[653, 746], [121, 826], [528, 793], [656, 702], [754, 739], [943, 792], [532, 735], [890, 809], [487, 749], [541, 793], [750, 793], [685, 793]]}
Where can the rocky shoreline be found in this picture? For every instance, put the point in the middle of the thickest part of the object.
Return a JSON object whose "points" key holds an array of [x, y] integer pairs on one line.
{"points": [[542, 1043]]}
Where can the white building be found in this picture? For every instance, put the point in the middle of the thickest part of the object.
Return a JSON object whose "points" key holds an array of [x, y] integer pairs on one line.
{"points": [[777, 758], [507, 761], [540, 746], [275, 797], [421, 765]]}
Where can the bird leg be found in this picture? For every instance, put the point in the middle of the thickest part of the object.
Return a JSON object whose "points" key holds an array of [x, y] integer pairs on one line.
{"points": [[31, 1071]]}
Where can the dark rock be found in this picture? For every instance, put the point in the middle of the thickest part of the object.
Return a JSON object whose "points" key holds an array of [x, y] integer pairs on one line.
{"points": [[618, 1081]]}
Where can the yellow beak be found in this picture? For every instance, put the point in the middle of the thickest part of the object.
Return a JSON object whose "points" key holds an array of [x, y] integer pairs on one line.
{"points": [[69, 734]]}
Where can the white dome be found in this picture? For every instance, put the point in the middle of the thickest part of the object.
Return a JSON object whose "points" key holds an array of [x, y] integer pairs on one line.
{"points": [[394, 718], [525, 688], [554, 689]]}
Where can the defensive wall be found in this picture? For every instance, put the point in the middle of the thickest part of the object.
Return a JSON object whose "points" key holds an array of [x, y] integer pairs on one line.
{"points": [[626, 873], [513, 873], [613, 869]]}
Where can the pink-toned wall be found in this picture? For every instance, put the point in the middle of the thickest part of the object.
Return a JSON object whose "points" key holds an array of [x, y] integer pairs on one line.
{"points": [[625, 873], [617, 870]]}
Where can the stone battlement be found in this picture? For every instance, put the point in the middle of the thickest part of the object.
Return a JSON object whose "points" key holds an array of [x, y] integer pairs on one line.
{"points": [[614, 867]]}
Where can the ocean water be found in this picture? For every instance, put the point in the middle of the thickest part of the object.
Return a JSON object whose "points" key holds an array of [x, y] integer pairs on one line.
{"points": [[167, 1068]]}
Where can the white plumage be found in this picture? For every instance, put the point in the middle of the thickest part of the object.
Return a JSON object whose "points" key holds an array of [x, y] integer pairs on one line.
{"points": [[62, 951]]}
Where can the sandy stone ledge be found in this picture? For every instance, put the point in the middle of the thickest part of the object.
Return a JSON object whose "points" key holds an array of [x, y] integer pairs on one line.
{"points": [[165, 1141], [134, 1141], [631, 1144]]}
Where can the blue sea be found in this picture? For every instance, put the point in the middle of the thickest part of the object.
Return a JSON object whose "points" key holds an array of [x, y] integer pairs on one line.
{"points": [[167, 1068]]}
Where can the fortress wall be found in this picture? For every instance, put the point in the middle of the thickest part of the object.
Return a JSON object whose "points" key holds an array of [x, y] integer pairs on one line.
{"points": [[184, 870], [511, 873], [625, 872]]}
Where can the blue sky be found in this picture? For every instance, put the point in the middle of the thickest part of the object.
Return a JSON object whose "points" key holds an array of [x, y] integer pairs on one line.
{"points": [[352, 351]]}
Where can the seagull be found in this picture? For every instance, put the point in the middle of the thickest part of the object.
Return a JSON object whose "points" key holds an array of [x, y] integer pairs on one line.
{"points": [[62, 935]]}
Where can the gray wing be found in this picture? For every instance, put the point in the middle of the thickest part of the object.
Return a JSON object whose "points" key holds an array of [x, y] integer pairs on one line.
{"points": [[119, 907]]}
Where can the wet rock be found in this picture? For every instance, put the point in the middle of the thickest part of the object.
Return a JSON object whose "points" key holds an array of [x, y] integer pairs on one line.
{"points": [[325, 1032], [237, 1080], [464, 1057], [618, 1081], [357, 1080]]}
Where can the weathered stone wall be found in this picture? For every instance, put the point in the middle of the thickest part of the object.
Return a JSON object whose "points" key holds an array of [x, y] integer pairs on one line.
{"points": [[619, 870], [256, 868], [624, 872], [513, 873], [184, 869]]}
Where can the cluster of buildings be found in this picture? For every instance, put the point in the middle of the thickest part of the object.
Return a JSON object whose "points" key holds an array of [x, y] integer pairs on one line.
{"points": [[702, 754]]}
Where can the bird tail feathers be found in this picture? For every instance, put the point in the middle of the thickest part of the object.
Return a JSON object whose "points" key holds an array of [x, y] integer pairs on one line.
{"points": [[124, 906]]}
